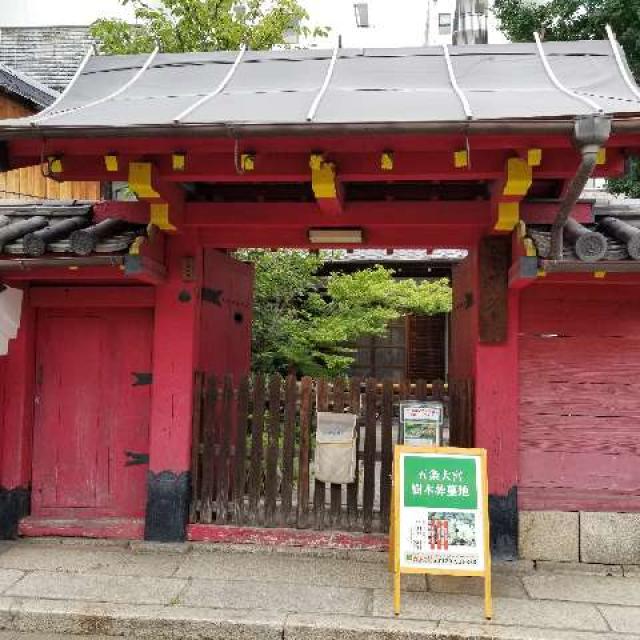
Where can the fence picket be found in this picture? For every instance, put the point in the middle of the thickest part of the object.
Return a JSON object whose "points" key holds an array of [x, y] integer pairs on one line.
{"points": [[196, 454], [208, 453], [352, 489], [271, 477], [319, 489], [369, 455], [386, 454], [224, 436], [257, 428], [336, 489], [288, 448], [305, 443], [240, 458]]}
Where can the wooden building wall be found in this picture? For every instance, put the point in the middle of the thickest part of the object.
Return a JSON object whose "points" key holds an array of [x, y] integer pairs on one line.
{"points": [[579, 387], [29, 183]]}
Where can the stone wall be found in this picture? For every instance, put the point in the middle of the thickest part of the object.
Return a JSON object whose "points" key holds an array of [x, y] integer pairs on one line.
{"points": [[580, 536]]}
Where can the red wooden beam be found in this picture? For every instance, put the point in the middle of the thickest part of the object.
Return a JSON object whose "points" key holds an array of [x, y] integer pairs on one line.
{"points": [[123, 297], [303, 215], [545, 212], [353, 166], [77, 275]]}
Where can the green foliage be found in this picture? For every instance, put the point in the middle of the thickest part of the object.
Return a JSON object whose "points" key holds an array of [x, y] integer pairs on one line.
{"points": [[579, 20], [305, 322], [203, 25]]}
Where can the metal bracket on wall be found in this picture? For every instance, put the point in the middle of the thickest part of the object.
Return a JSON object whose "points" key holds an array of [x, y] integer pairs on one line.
{"points": [[135, 458], [140, 379], [212, 295]]}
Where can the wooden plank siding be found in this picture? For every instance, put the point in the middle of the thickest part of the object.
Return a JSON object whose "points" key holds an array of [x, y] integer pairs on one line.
{"points": [[579, 417], [29, 183], [253, 450]]}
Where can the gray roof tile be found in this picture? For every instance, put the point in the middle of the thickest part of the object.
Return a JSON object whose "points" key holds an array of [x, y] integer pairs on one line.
{"points": [[51, 55]]}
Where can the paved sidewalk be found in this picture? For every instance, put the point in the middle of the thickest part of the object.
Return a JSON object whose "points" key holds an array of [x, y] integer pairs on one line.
{"points": [[213, 591]]}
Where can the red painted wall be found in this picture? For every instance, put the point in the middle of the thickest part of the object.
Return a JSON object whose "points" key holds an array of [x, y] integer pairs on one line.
{"points": [[579, 350], [17, 406]]}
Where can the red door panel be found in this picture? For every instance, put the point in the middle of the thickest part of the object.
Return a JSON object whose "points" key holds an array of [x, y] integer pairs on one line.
{"points": [[89, 413], [227, 305]]}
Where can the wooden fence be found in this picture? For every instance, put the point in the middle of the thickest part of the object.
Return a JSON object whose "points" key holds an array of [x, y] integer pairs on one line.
{"points": [[253, 449]]}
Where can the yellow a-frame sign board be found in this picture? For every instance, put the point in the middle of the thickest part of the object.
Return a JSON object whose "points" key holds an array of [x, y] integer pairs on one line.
{"points": [[440, 515]]}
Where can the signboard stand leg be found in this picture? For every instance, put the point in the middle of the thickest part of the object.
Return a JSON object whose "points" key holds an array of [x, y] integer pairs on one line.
{"points": [[488, 608]]}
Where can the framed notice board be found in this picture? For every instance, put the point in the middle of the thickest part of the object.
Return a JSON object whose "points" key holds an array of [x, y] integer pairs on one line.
{"points": [[440, 515]]}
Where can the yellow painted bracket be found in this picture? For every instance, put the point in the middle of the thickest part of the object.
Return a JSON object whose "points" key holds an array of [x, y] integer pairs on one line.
{"points": [[111, 162], [55, 164], [601, 157], [508, 216], [461, 159], [248, 161], [386, 161], [140, 175], [178, 161], [519, 177], [534, 157], [323, 177], [159, 217], [599, 274]]}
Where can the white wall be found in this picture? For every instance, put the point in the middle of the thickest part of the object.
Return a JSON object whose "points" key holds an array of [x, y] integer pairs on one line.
{"points": [[37, 13]]}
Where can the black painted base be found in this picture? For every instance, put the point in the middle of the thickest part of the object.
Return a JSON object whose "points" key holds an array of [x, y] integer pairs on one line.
{"points": [[168, 497], [14, 505], [503, 518]]}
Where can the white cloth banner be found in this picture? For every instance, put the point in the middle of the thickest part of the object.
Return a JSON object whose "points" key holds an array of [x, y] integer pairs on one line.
{"points": [[10, 309]]}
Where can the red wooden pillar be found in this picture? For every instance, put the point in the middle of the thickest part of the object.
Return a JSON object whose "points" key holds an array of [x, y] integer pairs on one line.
{"points": [[485, 348], [16, 423], [175, 357]]}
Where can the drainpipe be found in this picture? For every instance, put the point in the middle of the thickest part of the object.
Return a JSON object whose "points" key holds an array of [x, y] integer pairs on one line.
{"points": [[589, 134]]}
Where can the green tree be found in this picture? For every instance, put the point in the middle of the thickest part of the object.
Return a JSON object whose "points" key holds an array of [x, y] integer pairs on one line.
{"points": [[203, 25], [579, 20], [304, 321]]}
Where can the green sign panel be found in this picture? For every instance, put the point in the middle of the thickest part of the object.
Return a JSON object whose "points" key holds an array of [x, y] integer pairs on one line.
{"points": [[440, 482]]}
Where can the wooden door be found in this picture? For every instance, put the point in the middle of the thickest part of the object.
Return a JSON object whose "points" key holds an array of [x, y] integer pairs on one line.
{"points": [[227, 311], [91, 412]]}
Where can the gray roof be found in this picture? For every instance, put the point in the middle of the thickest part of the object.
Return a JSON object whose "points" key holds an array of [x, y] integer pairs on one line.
{"points": [[463, 86], [50, 55], [27, 89], [44, 215]]}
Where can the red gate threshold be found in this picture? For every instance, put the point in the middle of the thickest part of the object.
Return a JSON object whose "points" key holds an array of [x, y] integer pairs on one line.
{"points": [[286, 537], [133, 529], [119, 528]]}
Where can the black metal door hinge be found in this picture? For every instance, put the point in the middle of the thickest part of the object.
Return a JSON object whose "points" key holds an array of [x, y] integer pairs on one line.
{"points": [[135, 458], [212, 295], [140, 379]]}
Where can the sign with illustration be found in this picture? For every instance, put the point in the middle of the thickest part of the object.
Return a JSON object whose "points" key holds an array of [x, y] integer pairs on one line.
{"points": [[440, 519], [421, 422]]}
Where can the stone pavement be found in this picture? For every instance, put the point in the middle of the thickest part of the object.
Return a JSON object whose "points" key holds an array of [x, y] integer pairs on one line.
{"points": [[104, 589]]}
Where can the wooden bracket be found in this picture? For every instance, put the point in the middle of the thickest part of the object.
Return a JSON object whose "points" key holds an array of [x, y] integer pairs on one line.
{"points": [[325, 185], [508, 193], [166, 198], [145, 261]]}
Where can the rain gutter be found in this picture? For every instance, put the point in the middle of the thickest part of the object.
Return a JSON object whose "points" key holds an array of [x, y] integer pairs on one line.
{"points": [[489, 127]]}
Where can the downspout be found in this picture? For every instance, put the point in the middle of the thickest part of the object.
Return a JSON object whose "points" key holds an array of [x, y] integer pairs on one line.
{"points": [[590, 134]]}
